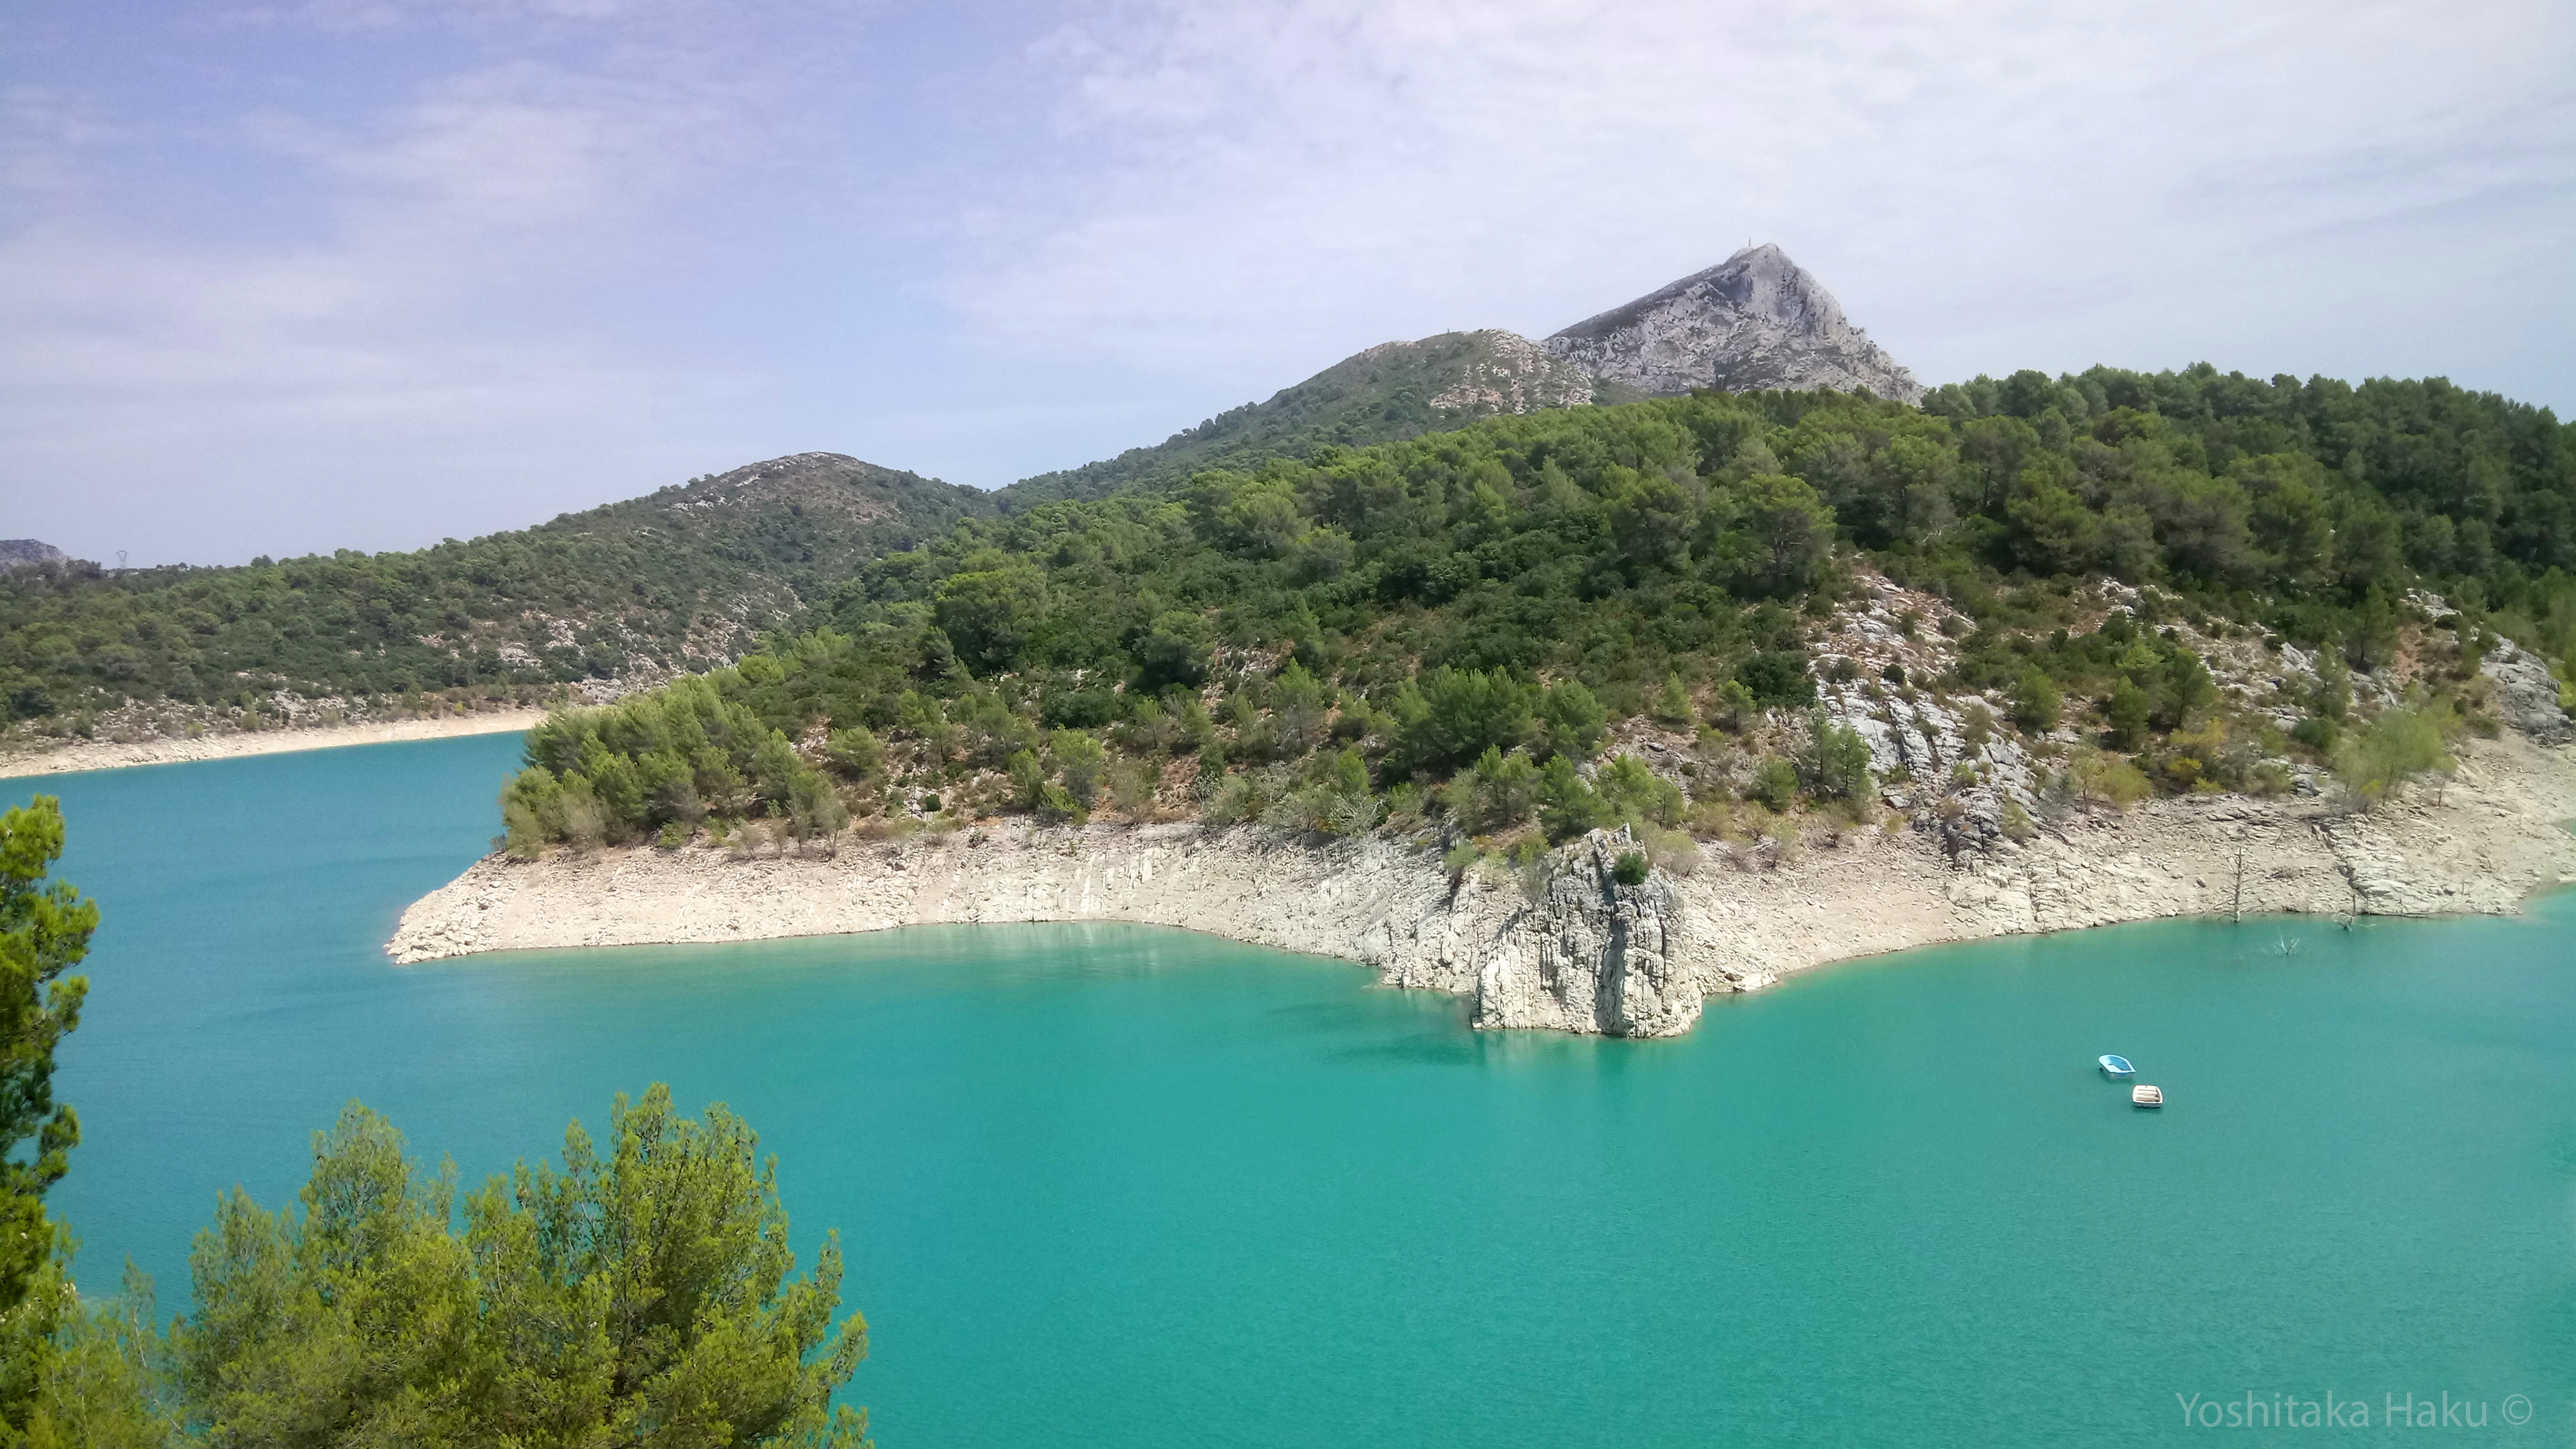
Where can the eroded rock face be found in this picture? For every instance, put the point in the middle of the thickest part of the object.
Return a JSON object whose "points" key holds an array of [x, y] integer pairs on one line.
{"points": [[1577, 951], [1591, 955], [1756, 320], [21, 552], [2527, 693], [1503, 372]]}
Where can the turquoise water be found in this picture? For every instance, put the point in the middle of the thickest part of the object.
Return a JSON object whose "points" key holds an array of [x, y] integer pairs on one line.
{"points": [[1124, 1186]]}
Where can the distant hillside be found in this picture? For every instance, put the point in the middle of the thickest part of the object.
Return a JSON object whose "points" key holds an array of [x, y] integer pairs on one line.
{"points": [[800, 524], [688, 576], [1719, 611], [1393, 391], [16, 552], [1754, 322]]}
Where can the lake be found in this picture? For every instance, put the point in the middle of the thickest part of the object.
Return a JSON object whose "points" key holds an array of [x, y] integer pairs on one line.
{"points": [[1114, 1185]]}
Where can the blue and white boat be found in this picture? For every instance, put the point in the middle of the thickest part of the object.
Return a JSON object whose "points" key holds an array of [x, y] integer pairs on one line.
{"points": [[2117, 1067]]}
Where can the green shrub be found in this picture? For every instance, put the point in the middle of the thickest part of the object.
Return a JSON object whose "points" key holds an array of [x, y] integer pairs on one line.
{"points": [[2126, 710], [1835, 765], [1404, 806], [1028, 778], [1079, 758], [2319, 733], [1631, 868], [2037, 702], [1234, 800], [2398, 746], [1573, 719], [1777, 677], [1568, 807], [1452, 716], [2016, 822], [2103, 777], [1500, 792], [1672, 707], [1774, 783], [1733, 709], [1671, 851], [855, 753], [1635, 793], [1131, 788], [1976, 726]]}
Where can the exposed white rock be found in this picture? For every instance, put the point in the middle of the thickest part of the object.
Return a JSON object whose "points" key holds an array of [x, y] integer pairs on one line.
{"points": [[1756, 320], [2526, 692], [1590, 954], [1504, 372], [25, 552], [1579, 952]]}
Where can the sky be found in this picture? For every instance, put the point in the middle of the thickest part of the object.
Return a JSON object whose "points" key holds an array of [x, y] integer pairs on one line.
{"points": [[313, 274]]}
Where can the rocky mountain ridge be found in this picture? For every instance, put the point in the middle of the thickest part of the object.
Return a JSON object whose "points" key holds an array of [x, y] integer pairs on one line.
{"points": [[1756, 320]]}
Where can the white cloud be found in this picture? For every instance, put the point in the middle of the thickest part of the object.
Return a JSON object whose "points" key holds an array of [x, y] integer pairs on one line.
{"points": [[1317, 176], [378, 353], [365, 272]]}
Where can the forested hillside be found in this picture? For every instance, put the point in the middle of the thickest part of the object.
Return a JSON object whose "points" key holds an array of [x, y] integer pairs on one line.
{"points": [[1324, 640], [1392, 391], [683, 579]]}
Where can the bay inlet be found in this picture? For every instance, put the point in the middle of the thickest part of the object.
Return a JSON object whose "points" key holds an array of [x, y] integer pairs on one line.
{"points": [[1120, 1185]]}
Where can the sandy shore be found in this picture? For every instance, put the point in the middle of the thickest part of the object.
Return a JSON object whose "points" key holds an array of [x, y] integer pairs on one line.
{"points": [[2484, 844], [110, 755]]}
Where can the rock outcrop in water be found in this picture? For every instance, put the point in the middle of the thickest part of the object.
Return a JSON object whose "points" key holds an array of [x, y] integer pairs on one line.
{"points": [[1972, 844], [1560, 944], [1755, 320], [1590, 954]]}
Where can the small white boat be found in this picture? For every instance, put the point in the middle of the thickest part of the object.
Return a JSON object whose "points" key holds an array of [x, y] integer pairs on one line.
{"points": [[2146, 1096], [2117, 1067]]}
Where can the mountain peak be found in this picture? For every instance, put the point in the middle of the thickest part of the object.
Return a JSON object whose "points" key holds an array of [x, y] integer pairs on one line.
{"points": [[1379, 394], [24, 552], [1755, 320]]}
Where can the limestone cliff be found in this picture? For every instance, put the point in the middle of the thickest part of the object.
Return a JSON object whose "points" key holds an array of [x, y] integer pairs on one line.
{"points": [[2527, 694], [1561, 945], [24, 552], [1755, 320], [1591, 954]]}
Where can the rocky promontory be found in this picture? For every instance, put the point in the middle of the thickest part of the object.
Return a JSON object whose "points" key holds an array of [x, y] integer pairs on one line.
{"points": [[1561, 943]]}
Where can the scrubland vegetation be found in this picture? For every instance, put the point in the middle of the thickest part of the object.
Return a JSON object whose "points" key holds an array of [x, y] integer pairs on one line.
{"points": [[1543, 624], [653, 584]]}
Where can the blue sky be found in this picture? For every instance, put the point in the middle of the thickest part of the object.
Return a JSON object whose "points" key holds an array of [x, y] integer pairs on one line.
{"points": [[366, 273]]}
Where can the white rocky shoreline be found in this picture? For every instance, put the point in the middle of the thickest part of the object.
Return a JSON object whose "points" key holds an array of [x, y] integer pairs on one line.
{"points": [[73, 756], [1572, 949]]}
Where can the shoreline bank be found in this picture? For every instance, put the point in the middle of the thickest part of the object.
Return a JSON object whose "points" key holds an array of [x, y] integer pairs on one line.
{"points": [[82, 755], [1574, 950]]}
